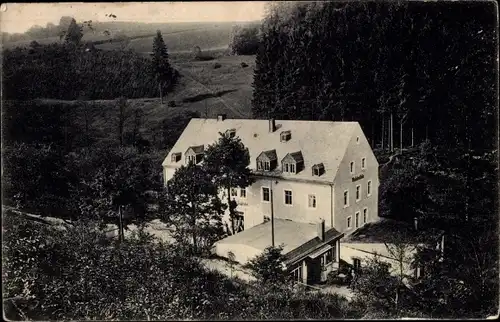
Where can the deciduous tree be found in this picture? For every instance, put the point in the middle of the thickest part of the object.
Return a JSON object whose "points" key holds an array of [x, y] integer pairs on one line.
{"points": [[227, 163]]}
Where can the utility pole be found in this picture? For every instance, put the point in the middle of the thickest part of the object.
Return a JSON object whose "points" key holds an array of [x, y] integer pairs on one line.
{"points": [[272, 213], [120, 228]]}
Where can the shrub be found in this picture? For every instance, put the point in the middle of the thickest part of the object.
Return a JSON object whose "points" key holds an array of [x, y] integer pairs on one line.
{"points": [[243, 64], [172, 104], [245, 41], [217, 65]]}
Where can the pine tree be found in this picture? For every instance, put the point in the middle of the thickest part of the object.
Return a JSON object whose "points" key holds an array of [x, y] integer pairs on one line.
{"points": [[74, 34], [160, 65]]}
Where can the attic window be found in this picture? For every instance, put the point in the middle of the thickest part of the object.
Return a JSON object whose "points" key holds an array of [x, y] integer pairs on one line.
{"points": [[176, 157], [231, 133], [285, 136], [292, 162], [318, 169], [194, 154], [267, 160]]}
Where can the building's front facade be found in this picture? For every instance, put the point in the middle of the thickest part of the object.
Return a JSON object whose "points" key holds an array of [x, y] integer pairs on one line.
{"points": [[314, 170], [305, 172]]}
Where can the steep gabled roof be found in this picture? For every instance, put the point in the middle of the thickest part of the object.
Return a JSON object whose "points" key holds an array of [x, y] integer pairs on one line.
{"points": [[196, 149], [295, 157], [268, 155], [319, 141]]}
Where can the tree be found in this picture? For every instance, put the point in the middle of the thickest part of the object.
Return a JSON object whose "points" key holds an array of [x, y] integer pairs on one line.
{"points": [[227, 163], [123, 115], [245, 41], [111, 178], [268, 267], [160, 65], [191, 204], [74, 34]]}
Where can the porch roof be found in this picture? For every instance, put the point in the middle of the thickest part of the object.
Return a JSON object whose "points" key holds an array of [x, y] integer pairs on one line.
{"points": [[298, 239]]}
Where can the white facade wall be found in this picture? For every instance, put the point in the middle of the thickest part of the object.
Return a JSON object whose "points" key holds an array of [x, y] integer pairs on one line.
{"points": [[355, 153], [329, 198]]}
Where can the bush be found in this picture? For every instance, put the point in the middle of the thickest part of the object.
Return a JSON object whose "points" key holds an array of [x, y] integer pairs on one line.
{"points": [[243, 64], [217, 65], [338, 278], [172, 104], [245, 41]]}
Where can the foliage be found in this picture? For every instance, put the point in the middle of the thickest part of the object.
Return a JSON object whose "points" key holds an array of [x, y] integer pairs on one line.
{"points": [[245, 41], [227, 161], [74, 34], [35, 178], [365, 62], [79, 274], [160, 65], [109, 178], [191, 204], [75, 72], [268, 267]]}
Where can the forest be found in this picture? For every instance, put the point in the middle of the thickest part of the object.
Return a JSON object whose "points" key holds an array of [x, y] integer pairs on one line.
{"points": [[422, 82], [428, 68]]}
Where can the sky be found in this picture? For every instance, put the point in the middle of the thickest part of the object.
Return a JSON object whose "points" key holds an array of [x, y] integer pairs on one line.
{"points": [[19, 17]]}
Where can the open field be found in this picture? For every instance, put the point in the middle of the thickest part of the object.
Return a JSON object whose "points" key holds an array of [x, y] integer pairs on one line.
{"points": [[200, 89], [182, 40]]}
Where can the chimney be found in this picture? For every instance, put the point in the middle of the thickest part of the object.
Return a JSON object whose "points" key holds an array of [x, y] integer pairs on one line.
{"points": [[321, 229], [272, 125], [415, 223], [221, 117]]}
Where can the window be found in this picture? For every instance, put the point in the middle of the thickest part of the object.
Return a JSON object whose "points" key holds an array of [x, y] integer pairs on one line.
{"points": [[285, 136], [191, 158], [296, 274], [288, 197], [265, 194], [318, 169], [243, 192], [346, 198], [363, 163], [264, 165], [357, 139], [349, 223], [231, 133], [358, 193], [365, 215], [327, 257], [369, 188], [352, 167], [176, 157], [289, 167], [312, 201], [234, 192], [356, 219]]}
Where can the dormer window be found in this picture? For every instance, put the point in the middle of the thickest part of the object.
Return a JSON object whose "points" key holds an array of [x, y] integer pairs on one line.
{"points": [[267, 160], [176, 157], [194, 154], [318, 169], [231, 133], [292, 162], [285, 136]]}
